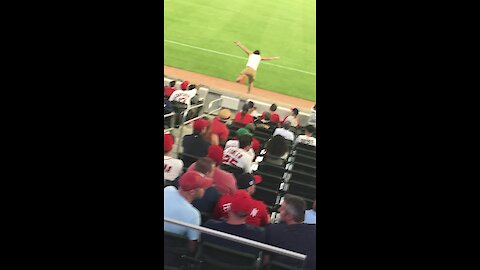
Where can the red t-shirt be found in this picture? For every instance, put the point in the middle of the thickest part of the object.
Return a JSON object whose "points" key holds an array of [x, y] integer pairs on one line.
{"points": [[246, 120], [273, 118], [219, 128], [167, 90], [258, 217]]}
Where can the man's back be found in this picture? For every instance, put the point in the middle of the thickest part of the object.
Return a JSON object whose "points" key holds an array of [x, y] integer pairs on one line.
{"points": [[306, 140], [195, 145], [177, 207], [242, 230], [296, 237]]}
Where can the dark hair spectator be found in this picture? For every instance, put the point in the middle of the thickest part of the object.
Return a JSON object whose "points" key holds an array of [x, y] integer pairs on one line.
{"points": [[277, 146]]}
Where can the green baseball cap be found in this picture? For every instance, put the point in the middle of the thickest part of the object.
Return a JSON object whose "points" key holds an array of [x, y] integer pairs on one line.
{"points": [[243, 131]]}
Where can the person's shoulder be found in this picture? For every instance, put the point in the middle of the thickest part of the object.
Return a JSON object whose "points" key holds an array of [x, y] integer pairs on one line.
{"points": [[212, 223]]}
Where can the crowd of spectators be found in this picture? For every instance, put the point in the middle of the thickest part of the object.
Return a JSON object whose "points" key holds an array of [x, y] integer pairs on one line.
{"points": [[208, 193]]}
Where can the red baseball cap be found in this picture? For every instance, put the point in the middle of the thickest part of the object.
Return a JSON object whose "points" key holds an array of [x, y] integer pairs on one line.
{"points": [[184, 85], [215, 152], [193, 179], [241, 202], [200, 124], [167, 142]]}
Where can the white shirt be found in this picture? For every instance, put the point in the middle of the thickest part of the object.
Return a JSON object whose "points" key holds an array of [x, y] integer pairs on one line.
{"points": [[254, 61], [235, 156], [292, 120], [287, 134], [172, 168], [235, 143], [306, 140], [183, 96]]}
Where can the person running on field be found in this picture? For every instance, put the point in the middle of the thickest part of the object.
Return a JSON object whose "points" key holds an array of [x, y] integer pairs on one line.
{"points": [[254, 59]]}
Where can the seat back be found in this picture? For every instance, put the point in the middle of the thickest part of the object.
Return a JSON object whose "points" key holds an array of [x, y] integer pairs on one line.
{"points": [[174, 246], [215, 257], [302, 190], [236, 171], [187, 159]]}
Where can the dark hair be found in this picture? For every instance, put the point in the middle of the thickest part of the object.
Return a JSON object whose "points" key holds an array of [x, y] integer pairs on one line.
{"points": [[204, 165], [310, 129], [295, 111], [172, 83], [244, 141], [257, 52], [191, 86], [277, 146], [286, 125], [315, 107], [273, 107], [267, 116], [250, 104], [244, 110], [296, 207]]}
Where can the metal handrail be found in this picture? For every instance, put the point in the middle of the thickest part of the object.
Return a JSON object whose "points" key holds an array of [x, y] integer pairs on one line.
{"points": [[210, 104], [239, 239]]}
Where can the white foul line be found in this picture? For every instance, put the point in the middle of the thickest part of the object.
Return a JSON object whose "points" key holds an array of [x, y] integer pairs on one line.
{"points": [[243, 58]]}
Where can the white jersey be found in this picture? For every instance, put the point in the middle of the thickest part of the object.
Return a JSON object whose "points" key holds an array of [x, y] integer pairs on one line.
{"points": [[306, 140], [254, 61], [238, 157], [235, 143], [172, 168], [287, 134], [293, 121], [183, 96]]}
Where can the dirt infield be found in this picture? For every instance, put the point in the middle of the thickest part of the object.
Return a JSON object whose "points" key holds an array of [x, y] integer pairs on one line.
{"points": [[239, 90]]}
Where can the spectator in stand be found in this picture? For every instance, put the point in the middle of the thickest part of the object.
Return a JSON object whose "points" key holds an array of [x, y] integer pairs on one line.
{"points": [[311, 215], [274, 117], [308, 137], [239, 209], [218, 128], [177, 205], [313, 117], [259, 216], [167, 106], [182, 99], [276, 150], [184, 95], [243, 118], [292, 118], [284, 131], [292, 234], [169, 89], [195, 144], [265, 123], [240, 156], [224, 181], [172, 167], [234, 141]]}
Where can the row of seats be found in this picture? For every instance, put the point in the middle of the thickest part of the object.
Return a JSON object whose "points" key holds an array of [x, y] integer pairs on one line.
{"points": [[212, 257]]}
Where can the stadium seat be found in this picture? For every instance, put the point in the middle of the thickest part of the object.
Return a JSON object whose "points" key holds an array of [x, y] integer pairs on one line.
{"points": [[305, 159], [267, 195], [187, 159], [306, 168], [271, 169], [301, 189], [236, 171], [174, 247], [276, 265], [306, 148], [215, 257], [302, 177]]}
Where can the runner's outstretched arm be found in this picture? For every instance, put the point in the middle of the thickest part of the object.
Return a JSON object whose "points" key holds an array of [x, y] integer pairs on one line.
{"points": [[270, 58], [245, 49]]}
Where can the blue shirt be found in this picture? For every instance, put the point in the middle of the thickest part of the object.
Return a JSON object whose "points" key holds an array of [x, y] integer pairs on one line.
{"points": [[310, 217], [175, 206]]}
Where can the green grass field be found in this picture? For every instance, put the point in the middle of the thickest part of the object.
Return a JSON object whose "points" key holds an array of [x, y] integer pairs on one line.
{"points": [[199, 36]]}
